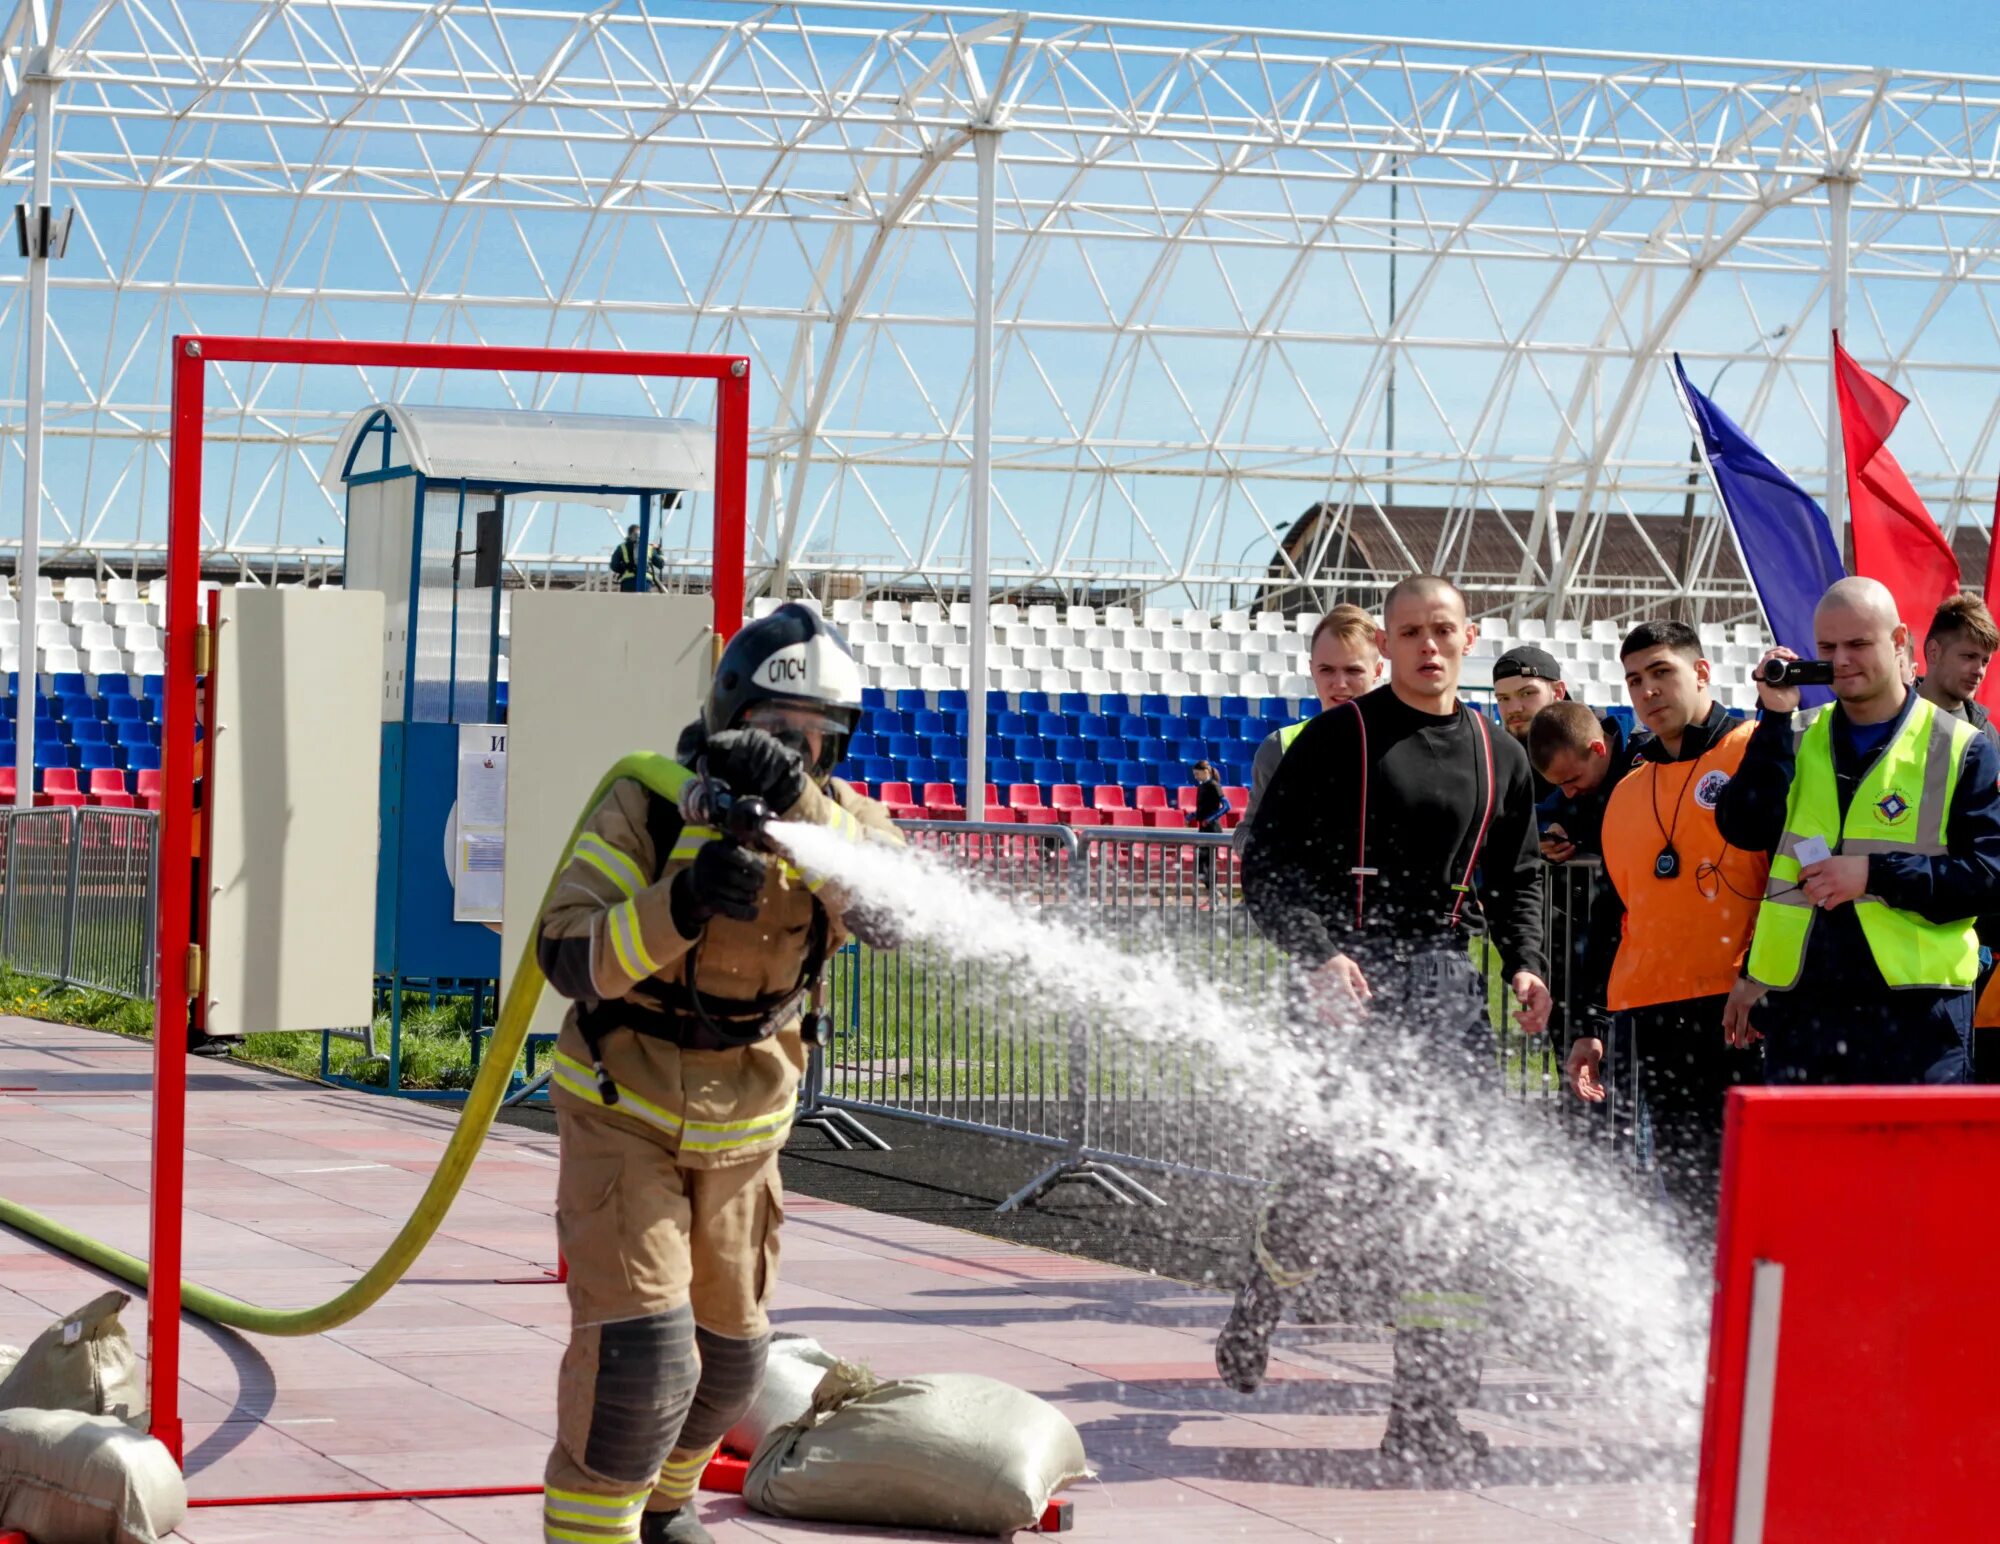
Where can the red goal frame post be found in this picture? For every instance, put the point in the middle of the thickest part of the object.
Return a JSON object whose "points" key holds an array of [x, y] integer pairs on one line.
{"points": [[192, 356]]}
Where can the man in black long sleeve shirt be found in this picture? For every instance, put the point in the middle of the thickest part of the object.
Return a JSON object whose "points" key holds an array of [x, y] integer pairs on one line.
{"points": [[1394, 825], [1841, 1021]]}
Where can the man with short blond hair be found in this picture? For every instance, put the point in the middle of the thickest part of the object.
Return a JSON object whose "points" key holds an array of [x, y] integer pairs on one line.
{"points": [[1346, 661]]}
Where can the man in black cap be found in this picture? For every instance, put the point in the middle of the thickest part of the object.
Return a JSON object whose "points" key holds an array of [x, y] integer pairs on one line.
{"points": [[1526, 680]]}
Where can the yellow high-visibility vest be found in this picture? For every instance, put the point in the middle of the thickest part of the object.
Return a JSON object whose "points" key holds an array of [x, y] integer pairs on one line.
{"points": [[1901, 806], [1290, 733]]}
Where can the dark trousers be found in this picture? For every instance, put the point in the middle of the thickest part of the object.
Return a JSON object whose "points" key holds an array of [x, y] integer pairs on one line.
{"points": [[1685, 1071]]}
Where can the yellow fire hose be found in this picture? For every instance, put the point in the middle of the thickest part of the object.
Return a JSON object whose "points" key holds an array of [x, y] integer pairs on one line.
{"points": [[524, 993]]}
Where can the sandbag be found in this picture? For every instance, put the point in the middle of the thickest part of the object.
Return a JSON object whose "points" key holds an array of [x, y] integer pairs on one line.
{"points": [[951, 1451], [69, 1478], [792, 1373], [82, 1362]]}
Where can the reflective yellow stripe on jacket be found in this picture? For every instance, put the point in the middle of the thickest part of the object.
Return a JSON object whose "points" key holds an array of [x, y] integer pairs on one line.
{"points": [[694, 1136], [1901, 807]]}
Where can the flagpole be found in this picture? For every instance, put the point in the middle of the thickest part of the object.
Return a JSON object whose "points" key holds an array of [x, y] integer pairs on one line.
{"points": [[1840, 199]]}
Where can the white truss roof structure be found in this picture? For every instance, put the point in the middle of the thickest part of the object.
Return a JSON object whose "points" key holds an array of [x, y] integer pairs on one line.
{"points": [[1196, 340]]}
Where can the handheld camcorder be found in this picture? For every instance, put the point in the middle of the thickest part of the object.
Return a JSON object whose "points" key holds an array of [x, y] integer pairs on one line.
{"points": [[1795, 672]]}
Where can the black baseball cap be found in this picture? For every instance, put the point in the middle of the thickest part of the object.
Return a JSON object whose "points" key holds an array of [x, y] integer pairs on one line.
{"points": [[1536, 664]]}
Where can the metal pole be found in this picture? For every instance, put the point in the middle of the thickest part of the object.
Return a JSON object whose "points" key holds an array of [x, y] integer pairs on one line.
{"points": [[986, 147], [42, 89], [644, 556], [1840, 198]]}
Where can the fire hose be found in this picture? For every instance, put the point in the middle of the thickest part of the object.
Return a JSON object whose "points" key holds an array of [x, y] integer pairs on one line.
{"points": [[483, 1101]]}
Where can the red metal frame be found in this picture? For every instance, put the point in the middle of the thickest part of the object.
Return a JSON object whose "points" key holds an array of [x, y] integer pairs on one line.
{"points": [[192, 355]]}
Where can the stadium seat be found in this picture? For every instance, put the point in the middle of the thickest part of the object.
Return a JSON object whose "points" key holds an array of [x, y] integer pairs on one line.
{"points": [[1107, 796], [901, 805], [910, 700], [1238, 797], [8, 786], [1046, 773], [107, 789], [149, 783], [1088, 773], [1149, 797], [941, 802], [86, 731], [877, 769], [1129, 774], [1079, 815], [873, 697], [1001, 771], [71, 800], [954, 702], [131, 734], [858, 786], [1166, 820], [1184, 800], [922, 769], [59, 780], [927, 721], [142, 758], [1074, 703], [1065, 796], [1033, 702], [1034, 815], [1111, 704], [1194, 707], [1125, 817], [95, 756]]}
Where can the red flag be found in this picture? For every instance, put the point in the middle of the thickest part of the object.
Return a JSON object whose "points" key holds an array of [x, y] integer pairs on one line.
{"points": [[1895, 539], [1988, 696]]}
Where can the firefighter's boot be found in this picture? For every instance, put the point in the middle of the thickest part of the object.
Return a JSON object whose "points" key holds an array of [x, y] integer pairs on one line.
{"points": [[676, 1527], [1436, 1371], [1243, 1349]]}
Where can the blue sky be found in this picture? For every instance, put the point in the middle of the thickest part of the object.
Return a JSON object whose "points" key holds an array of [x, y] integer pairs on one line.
{"points": [[1960, 36]]}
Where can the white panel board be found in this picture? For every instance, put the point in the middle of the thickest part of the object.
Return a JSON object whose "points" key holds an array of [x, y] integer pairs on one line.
{"points": [[595, 677], [295, 781]]}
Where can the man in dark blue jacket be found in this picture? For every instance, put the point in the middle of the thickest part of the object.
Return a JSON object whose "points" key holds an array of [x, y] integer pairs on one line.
{"points": [[1861, 953]]}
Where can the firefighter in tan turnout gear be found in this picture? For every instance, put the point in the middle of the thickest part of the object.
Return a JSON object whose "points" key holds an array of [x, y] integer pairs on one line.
{"points": [[692, 956]]}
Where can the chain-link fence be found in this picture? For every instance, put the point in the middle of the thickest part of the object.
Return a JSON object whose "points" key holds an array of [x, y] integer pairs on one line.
{"points": [[79, 895], [925, 1036]]}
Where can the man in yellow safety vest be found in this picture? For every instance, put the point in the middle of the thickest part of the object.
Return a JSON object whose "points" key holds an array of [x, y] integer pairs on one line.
{"points": [[1882, 817], [1346, 662]]}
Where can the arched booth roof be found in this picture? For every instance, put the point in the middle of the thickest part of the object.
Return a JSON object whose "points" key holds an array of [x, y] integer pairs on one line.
{"points": [[596, 457]]}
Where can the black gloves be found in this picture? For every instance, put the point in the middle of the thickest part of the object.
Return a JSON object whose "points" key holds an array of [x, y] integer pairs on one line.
{"points": [[753, 762], [724, 880]]}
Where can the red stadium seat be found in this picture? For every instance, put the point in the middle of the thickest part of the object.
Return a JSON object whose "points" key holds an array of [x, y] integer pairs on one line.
{"points": [[1066, 796], [150, 782], [1021, 796], [901, 803], [1239, 799], [114, 801], [941, 802], [1120, 817], [1166, 820], [1107, 796], [60, 780], [104, 780], [1079, 815], [69, 797], [858, 786], [1034, 814], [7, 785], [1184, 800], [1150, 798]]}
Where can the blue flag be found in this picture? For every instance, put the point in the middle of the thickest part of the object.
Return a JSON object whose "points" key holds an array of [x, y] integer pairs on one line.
{"points": [[1784, 537]]}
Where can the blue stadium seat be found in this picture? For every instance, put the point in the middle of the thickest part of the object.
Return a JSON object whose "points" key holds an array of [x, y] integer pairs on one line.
{"points": [[1128, 774], [861, 747], [142, 758], [921, 769], [499, 695], [1033, 702], [1111, 704], [131, 734], [1155, 702], [1253, 730], [1094, 726], [1088, 774], [948, 747], [75, 705], [873, 697], [1075, 702], [1046, 773], [954, 702], [1026, 747], [877, 769], [1309, 707], [1050, 725], [927, 721], [90, 758], [959, 722], [1002, 770], [69, 683], [883, 721], [1011, 723], [153, 686], [996, 702], [1234, 708], [51, 752], [1215, 728], [1130, 726], [1068, 747], [904, 746], [1195, 707], [1154, 751], [1275, 708], [86, 731], [954, 771], [910, 700]]}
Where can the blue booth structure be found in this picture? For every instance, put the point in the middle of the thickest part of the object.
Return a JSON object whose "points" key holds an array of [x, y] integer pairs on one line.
{"points": [[429, 493]]}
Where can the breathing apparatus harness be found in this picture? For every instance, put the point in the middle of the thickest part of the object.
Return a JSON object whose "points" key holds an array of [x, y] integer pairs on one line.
{"points": [[676, 1011]]}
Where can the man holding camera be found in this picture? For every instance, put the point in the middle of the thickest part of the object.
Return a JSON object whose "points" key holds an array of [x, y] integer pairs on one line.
{"points": [[1882, 817], [692, 955]]}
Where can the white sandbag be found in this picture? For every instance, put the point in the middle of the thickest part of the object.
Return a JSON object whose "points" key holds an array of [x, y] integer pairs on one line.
{"points": [[792, 1372], [950, 1451], [68, 1478], [83, 1362]]}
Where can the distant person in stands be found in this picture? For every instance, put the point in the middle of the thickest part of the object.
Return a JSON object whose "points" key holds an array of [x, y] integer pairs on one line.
{"points": [[1210, 804], [625, 563], [1346, 661], [1671, 927], [1883, 819]]}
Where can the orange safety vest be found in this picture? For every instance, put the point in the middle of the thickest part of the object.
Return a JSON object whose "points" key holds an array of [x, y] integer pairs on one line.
{"points": [[1686, 936]]}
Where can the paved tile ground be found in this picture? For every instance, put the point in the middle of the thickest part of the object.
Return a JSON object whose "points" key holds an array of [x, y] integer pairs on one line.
{"points": [[450, 1380]]}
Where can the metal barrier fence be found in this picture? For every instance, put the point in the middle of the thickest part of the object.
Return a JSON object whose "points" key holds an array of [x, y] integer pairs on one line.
{"points": [[78, 896], [934, 1039]]}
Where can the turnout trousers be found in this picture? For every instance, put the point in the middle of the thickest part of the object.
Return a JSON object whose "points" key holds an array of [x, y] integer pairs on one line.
{"points": [[671, 1270]]}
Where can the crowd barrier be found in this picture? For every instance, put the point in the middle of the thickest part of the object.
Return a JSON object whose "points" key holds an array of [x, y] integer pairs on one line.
{"points": [[78, 896], [924, 1037]]}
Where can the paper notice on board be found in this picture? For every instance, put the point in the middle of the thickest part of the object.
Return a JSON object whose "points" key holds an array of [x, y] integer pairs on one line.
{"points": [[479, 848]]}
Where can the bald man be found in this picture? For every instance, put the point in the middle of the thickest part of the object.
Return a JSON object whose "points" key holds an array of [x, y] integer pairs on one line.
{"points": [[1883, 820]]}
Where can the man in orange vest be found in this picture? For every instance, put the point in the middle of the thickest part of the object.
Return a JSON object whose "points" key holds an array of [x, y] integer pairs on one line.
{"points": [[1673, 926]]}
